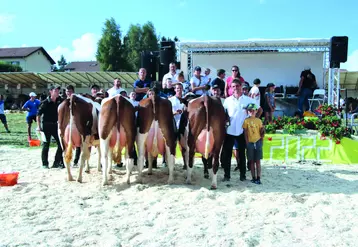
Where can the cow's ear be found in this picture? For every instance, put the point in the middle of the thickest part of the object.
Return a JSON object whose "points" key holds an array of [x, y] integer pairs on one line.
{"points": [[184, 101]]}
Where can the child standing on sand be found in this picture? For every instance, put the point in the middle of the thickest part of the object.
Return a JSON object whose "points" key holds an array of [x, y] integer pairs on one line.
{"points": [[254, 134]]}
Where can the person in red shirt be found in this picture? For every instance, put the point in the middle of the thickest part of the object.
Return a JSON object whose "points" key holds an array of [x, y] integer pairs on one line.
{"points": [[235, 74]]}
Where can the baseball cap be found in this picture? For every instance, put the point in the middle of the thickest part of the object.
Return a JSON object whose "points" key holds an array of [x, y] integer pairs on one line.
{"points": [[95, 86], [270, 85], [54, 87], [251, 106], [215, 86], [197, 68], [32, 94], [307, 68], [244, 85]]}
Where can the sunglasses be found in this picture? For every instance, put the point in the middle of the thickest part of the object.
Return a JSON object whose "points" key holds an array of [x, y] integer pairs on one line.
{"points": [[234, 70]]}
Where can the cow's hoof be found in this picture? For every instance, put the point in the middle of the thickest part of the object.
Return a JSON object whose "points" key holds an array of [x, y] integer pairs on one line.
{"points": [[128, 182], [206, 175], [70, 179], [150, 173], [188, 181], [105, 183], [87, 171], [184, 167], [170, 181], [213, 187], [79, 180]]}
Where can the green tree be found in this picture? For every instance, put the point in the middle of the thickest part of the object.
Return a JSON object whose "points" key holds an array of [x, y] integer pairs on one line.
{"points": [[149, 38], [8, 67], [138, 39], [133, 47], [110, 51], [61, 64]]}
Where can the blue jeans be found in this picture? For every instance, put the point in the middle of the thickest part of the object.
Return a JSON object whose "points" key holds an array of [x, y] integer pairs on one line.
{"points": [[303, 99]]}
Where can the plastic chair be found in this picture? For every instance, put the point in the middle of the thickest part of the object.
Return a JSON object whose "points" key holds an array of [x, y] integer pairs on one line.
{"points": [[319, 95]]}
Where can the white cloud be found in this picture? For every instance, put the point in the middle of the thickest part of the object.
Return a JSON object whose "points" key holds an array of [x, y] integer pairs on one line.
{"points": [[83, 49], [6, 23], [352, 62], [24, 45]]}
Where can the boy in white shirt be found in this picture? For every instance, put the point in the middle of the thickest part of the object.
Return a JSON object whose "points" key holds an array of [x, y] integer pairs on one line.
{"points": [[255, 91]]}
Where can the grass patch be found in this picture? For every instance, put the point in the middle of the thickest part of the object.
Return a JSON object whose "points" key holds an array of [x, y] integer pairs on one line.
{"points": [[18, 127]]}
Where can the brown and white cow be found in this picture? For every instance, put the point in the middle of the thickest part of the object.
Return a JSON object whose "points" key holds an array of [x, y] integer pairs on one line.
{"points": [[156, 133], [78, 127], [117, 130], [202, 130]]}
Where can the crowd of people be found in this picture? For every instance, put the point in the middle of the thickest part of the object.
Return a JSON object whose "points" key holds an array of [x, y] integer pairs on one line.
{"points": [[244, 134]]}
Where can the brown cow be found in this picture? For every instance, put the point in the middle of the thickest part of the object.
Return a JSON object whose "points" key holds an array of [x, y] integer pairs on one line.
{"points": [[117, 130], [202, 130], [78, 127], [155, 133]]}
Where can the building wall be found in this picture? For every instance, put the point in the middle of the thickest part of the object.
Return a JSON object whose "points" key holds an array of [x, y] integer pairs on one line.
{"points": [[279, 68], [36, 62]]}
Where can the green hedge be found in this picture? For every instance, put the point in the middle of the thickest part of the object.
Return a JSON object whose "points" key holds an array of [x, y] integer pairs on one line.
{"points": [[6, 67]]}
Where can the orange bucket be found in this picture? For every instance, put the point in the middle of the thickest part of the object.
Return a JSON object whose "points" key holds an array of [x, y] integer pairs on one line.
{"points": [[34, 143], [8, 179]]}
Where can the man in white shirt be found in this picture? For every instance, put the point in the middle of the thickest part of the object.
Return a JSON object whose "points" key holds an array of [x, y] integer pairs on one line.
{"points": [[236, 109], [116, 89], [176, 104], [198, 85], [255, 91], [172, 74]]}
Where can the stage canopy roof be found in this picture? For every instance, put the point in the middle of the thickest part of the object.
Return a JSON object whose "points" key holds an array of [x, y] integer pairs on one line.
{"points": [[28, 79], [205, 46]]}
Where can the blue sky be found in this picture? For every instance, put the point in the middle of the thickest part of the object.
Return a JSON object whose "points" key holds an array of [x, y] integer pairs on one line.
{"points": [[73, 27]]}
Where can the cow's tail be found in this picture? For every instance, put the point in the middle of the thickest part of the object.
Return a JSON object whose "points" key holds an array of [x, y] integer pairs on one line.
{"points": [[207, 141], [116, 152], [68, 154]]}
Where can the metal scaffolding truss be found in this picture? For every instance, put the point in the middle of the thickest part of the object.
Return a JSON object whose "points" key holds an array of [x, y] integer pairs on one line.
{"points": [[254, 46]]}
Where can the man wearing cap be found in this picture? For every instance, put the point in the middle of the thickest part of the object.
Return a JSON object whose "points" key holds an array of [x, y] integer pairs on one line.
{"points": [[198, 85], [31, 106], [216, 92], [219, 81], [116, 89], [305, 89], [49, 125], [236, 108]]}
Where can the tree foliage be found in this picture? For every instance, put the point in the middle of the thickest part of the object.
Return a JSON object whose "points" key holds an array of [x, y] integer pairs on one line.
{"points": [[7, 67], [110, 50], [61, 64], [138, 39], [115, 55]]}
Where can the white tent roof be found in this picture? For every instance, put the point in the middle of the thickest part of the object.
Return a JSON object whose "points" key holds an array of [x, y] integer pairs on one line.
{"points": [[298, 42]]}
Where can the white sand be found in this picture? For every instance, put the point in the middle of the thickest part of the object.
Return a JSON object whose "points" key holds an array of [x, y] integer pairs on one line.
{"points": [[302, 205]]}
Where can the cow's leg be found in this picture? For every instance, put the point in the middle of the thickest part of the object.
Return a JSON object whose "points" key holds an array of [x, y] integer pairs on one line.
{"points": [[129, 165], [104, 159], [87, 170], [68, 167], [214, 162], [170, 159], [84, 157], [190, 165], [205, 164], [150, 163], [99, 168], [141, 152]]}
